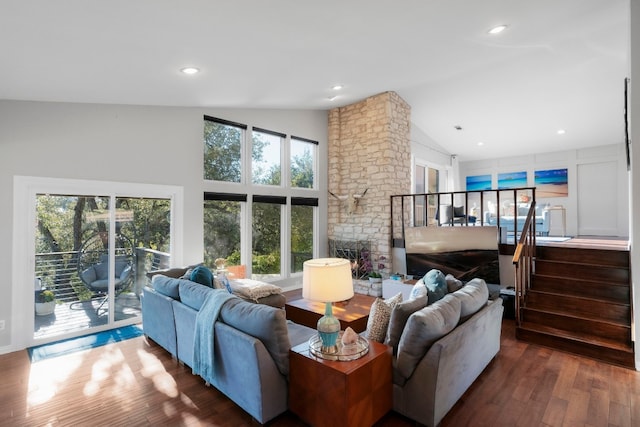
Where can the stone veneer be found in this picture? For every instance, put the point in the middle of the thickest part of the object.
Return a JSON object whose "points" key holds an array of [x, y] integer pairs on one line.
{"points": [[369, 149]]}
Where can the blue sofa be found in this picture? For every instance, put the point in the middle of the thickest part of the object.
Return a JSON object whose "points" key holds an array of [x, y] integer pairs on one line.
{"points": [[251, 342], [542, 219]]}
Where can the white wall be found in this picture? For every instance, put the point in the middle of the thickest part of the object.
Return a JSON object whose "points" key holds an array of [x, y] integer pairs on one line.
{"points": [[572, 160], [635, 163], [425, 150], [135, 144]]}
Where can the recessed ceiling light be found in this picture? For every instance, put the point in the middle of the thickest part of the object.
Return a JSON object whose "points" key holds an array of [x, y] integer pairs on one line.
{"points": [[498, 29], [190, 70], [561, 132], [337, 87], [331, 98], [480, 144]]}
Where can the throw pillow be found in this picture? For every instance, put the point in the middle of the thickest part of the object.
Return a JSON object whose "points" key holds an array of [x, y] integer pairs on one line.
{"points": [[399, 316], [379, 317], [436, 285], [253, 289], [453, 284], [418, 290], [423, 329], [202, 275], [473, 296]]}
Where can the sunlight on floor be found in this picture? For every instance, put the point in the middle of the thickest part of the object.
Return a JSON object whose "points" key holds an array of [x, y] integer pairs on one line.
{"points": [[47, 376], [154, 370], [111, 366]]}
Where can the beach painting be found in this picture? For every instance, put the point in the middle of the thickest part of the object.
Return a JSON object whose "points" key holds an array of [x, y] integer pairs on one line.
{"points": [[551, 183], [512, 180], [479, 183]]}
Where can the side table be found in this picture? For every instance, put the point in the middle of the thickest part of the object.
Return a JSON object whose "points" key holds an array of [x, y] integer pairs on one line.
{"points": [[336, 393]]}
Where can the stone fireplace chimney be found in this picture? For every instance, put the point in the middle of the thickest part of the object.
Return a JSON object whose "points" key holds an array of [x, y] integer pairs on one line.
{"points": [[369, 150]]}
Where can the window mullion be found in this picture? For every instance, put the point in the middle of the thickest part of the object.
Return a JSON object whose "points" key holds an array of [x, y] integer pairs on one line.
{"points": [[285, 239]]}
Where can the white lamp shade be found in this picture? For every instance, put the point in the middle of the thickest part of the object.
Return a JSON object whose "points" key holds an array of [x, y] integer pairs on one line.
{"points": [[327, 280]]}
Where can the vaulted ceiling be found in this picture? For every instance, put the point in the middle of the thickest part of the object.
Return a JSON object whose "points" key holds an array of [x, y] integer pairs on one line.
{"points": [[558, 65]]}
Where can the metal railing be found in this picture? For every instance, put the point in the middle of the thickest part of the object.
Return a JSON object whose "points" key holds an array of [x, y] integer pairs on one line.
{"points": [[58, 272], [423, 209]]}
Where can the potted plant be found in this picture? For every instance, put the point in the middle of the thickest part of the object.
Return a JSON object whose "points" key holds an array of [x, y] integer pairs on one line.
{"points": [[375, 277], [45, 303]]}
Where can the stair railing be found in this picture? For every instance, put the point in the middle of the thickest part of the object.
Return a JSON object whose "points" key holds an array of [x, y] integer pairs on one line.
{"points": [[523, 260]]}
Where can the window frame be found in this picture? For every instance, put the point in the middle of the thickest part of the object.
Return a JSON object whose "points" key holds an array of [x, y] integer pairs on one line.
{"points": [[249, 190]]}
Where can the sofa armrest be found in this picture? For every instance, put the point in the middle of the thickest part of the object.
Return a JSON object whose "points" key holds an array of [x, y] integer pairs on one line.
{"points": [[253, 380], [158, 320]]}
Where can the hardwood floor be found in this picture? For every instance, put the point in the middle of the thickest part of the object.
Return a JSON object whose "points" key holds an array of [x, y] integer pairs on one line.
{"points": [[136, 383]]}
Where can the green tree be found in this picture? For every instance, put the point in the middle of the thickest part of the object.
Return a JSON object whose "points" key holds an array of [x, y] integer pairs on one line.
{"points": [[266, 238], [302, 170], [222, 231], [258, 164], [222, 148]]}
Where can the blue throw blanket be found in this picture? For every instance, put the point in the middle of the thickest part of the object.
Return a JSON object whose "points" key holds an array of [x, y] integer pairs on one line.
{"points": [[203, 347]]}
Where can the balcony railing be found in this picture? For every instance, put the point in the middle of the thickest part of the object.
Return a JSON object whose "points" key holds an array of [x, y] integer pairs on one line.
{"points": [[58, 271]]}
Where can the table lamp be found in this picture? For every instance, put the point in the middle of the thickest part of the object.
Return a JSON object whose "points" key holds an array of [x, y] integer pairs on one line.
{"points": [[327, 280]]}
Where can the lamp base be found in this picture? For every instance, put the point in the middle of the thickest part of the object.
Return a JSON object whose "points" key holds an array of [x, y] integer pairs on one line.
{"points": [[328, 329]]}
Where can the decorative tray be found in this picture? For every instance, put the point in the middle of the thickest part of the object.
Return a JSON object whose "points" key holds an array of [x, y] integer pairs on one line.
{"points": [[340, 352]]}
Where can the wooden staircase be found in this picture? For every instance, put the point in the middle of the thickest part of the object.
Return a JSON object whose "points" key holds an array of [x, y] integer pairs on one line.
{"points": [[580, 302]]}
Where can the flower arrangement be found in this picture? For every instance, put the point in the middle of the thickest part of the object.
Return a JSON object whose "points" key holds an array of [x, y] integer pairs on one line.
{"points": [[220, 263], [366, 265]]}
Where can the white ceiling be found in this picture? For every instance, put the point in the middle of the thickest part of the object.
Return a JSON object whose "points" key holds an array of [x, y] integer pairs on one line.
{"points": [[560, 63]]}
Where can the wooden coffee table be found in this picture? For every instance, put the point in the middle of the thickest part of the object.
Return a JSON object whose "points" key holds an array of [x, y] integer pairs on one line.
{"points": [[333, 393], [352, 313]]}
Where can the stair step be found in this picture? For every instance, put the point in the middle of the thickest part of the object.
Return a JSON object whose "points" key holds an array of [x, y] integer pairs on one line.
{"points": [[612, 258], [614, 292], [606, 274], [599, 329], [603, 350], [579, 306]]}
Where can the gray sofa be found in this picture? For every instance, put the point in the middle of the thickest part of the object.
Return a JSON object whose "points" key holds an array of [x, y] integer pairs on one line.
{"points": [[250, 358], [441, 350], [542, 219]]}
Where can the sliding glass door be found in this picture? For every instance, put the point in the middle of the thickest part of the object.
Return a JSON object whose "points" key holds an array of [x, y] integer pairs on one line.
{"points": [[81, 251], [91, 255]]}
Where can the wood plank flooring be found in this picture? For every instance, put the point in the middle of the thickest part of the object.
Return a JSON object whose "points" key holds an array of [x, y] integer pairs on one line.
{"points": [[137, 383]]}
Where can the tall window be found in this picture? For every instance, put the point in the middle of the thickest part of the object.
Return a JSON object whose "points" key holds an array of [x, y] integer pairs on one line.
{"points": [[427, 180], [266, 236], [265, 224], [222, 219], [301, 231], [265, 157], [303, 162], [223, 150]]}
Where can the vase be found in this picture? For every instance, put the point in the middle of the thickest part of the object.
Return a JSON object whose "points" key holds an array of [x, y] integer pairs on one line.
{"points": [[45, 308]]}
